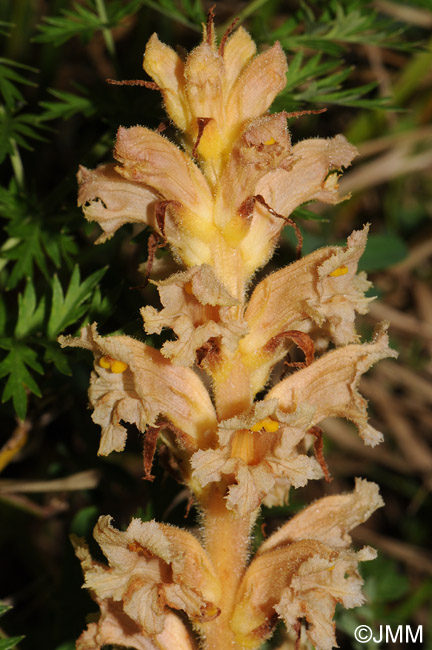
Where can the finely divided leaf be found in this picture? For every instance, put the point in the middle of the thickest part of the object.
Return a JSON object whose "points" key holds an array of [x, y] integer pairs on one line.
{"points": [[69, 308], [66, 106], [15, 365], [30, 314]]}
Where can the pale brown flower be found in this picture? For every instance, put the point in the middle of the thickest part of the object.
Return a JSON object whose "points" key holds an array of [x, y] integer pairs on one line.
{"points": [[139, 387], [114, 627], [330, 384], [256, 452], [111, 201], [226, 86], [321, 290], [197, 307], [151, 568], [304, 569]]}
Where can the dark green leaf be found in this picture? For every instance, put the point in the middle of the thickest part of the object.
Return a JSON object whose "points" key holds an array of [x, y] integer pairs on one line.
{"points": [[30, 313], [66, 106], [14, 365], [3, 316], [84, 521], [70, 308], [84, 20], [27, 251], [54, 354], [9, 77]]}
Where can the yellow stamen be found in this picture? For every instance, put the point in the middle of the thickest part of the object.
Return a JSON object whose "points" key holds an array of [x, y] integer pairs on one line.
{"points": [[341, 270], [117, 367], [271, 141], [105, 362], [269, 425]]}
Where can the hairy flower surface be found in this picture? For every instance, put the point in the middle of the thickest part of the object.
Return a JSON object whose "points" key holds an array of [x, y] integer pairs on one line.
{"points": [[145, 386], [257, 452], [237, 427], [304, 569], [152, 567]]}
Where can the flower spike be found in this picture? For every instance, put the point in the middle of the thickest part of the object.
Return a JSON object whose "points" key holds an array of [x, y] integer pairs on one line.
{"points": [[236, 427]]}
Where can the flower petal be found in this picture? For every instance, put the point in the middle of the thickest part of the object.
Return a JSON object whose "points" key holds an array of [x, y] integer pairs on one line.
{"points": [[112, 201], [165, 66], [317, 587], [304, 579], [305, 178], [257, 86], [262, 587], [151, 566], [306, 291], [263, 146], [196, 306], [147, 157], [114, 627], [330, 519], [237, 52], [330, 384], [149, 386]]}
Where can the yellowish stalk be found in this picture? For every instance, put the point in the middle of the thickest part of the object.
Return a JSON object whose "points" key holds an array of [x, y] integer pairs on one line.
{"points": [[227, 541]]}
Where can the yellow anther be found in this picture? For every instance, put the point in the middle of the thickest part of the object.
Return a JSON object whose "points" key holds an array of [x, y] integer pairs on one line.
{"points": [[271, 141], [117, 367], [341, 270], [269, 425], [188, 288], [105, 362]]}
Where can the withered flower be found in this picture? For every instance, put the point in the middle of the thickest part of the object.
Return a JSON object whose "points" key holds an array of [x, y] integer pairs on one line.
{"points": [[133, 382], [304, 569], [152, 568]]}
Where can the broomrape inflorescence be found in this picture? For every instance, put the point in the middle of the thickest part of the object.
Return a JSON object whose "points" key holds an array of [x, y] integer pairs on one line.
{"points": [[220, 203]]}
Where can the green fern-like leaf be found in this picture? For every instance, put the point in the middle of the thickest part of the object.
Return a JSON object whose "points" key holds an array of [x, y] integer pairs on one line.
{"points": [[69, 308]]}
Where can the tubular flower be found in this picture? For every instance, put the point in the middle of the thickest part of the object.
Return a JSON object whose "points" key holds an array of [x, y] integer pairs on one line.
{"points": [[330, 384], [220, 202], [152, 567], [146, 386], [207, 212], [321, 290], [114, 627], [257, 452], [304, 569], [197, 307]]}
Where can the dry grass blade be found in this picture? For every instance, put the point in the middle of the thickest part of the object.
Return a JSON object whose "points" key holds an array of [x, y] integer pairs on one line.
{"points": [[405, 323], [412, 555], [80, 481], [417, 454]]}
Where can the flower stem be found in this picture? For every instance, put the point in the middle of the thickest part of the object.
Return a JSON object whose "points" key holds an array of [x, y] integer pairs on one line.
{"points": [[227, 541]]}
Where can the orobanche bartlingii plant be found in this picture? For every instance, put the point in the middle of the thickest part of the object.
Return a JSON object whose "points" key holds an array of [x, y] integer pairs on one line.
{"points": [[220, 202]]}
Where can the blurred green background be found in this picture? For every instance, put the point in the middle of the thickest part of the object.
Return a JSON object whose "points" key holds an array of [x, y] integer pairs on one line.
{"points": [[370, 65]]}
